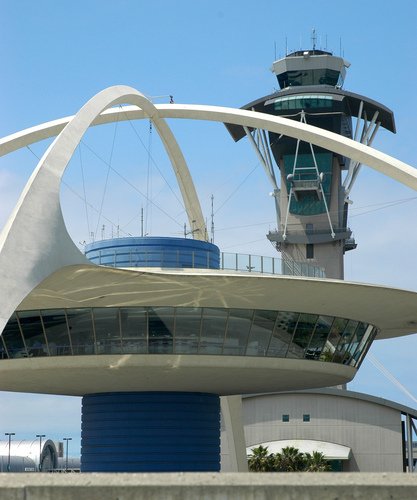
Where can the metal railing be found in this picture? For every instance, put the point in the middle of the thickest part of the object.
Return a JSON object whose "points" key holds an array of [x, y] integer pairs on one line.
{"points": [[205, 260]]}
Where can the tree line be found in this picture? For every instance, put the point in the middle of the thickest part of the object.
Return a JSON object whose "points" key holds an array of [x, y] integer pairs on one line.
{"points": [[289, 459]]}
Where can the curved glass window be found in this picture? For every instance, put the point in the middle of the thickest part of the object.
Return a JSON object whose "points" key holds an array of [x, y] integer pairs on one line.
{"points": [[185, 330], [305, 101], [321, 76]]}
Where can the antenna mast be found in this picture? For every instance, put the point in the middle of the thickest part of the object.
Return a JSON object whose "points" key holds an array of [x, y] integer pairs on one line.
{"points": [[212, 218], [313, 38]]}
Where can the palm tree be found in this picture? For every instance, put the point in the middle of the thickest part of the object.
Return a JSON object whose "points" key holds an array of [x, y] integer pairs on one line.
{"points": [[316, 462], [260, 460], [289, 460]]}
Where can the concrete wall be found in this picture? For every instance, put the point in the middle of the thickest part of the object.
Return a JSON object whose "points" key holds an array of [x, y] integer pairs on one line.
{"points": [[208, 486]]}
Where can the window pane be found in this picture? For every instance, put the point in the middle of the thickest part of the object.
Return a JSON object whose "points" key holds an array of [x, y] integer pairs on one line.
{"points": [[107, 328], [237, 333], [187, 329], [212, 332], [56, 329], [357, 337], [341, 354], [336, 331], [363, 346], [161, 329], [134, 327], [260, 333], [13, 339], [319, 338], [30, 322], [81, 331], [282, 334], [304, 329]]}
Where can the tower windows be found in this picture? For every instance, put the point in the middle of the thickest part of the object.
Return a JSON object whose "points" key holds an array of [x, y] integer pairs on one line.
{"points": [[309, 251]]}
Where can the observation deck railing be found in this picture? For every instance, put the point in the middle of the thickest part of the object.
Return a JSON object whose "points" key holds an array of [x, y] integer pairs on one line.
{"points": [[195, 260]]}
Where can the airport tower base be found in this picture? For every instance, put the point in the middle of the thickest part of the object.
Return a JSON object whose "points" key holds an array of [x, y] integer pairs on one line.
{"points": [[150, 431]]}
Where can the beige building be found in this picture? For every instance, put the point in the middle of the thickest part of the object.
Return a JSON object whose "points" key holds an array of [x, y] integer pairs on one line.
{"points": [[357, 432]]}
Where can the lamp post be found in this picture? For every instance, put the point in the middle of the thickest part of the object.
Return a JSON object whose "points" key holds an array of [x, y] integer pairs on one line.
{"points": [[66, 454], [10, 434], [40, 436]]}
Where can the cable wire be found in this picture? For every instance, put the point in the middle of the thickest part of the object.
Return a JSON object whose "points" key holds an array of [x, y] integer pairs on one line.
{"points": [[390, 376]]}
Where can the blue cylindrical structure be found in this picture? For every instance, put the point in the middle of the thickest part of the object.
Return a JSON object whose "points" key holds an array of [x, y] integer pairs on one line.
{"points": [[154, 251], [150, 432]]}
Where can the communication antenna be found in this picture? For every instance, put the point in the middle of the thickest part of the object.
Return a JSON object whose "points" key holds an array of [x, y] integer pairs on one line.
{"points": [[275, 50], [313, 38], [286, 45], [212, 216], [103, 228], [141, 222]]}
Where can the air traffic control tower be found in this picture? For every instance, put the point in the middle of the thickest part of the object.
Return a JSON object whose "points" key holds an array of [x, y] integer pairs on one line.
{"points": [[313, 198]]}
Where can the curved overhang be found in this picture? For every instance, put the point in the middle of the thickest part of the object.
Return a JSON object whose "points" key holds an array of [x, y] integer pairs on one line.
{"points": [[392, 311], [223, 375], [352, 102], [331, 451]]}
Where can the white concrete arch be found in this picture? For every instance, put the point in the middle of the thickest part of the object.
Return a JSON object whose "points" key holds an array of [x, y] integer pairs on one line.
{"points": [[35, 243], [381, 162]]}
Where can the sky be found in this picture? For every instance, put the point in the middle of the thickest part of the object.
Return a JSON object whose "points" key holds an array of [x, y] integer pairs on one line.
{"points": [[57, 55]]}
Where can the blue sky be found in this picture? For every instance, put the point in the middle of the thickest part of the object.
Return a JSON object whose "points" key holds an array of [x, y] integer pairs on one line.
{"points": [[56, 55]]}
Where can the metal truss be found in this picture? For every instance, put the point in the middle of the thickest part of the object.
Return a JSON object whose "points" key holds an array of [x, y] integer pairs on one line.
{"points": [[259, 141], [312, 184], [367, 135]]}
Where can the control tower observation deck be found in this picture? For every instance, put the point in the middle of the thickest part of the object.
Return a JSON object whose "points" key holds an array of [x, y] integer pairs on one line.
{"points": [[313, 197]]}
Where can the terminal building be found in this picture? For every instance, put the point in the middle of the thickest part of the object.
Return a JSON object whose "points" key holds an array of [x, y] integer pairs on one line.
{"points": [[157, 334], [355, 432], [30, 455]]}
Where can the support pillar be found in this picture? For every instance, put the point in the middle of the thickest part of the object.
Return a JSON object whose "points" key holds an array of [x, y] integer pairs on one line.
{"points": [[150, 432]]}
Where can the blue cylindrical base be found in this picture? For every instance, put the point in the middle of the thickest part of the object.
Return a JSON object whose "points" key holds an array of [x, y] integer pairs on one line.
{"points": [[154, 251], [150, 432]]}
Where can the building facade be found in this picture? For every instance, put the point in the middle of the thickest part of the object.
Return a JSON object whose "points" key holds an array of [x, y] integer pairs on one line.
{"points": [[355, 432]]}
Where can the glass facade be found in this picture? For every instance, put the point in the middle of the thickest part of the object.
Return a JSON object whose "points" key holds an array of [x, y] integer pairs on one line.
{"points": [[305, 101], [185, 330], [322, 76]]}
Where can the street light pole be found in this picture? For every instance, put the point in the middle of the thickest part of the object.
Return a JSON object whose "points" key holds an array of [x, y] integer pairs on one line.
{"points": [[40, 436], [10, 434], [66, 455]]}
